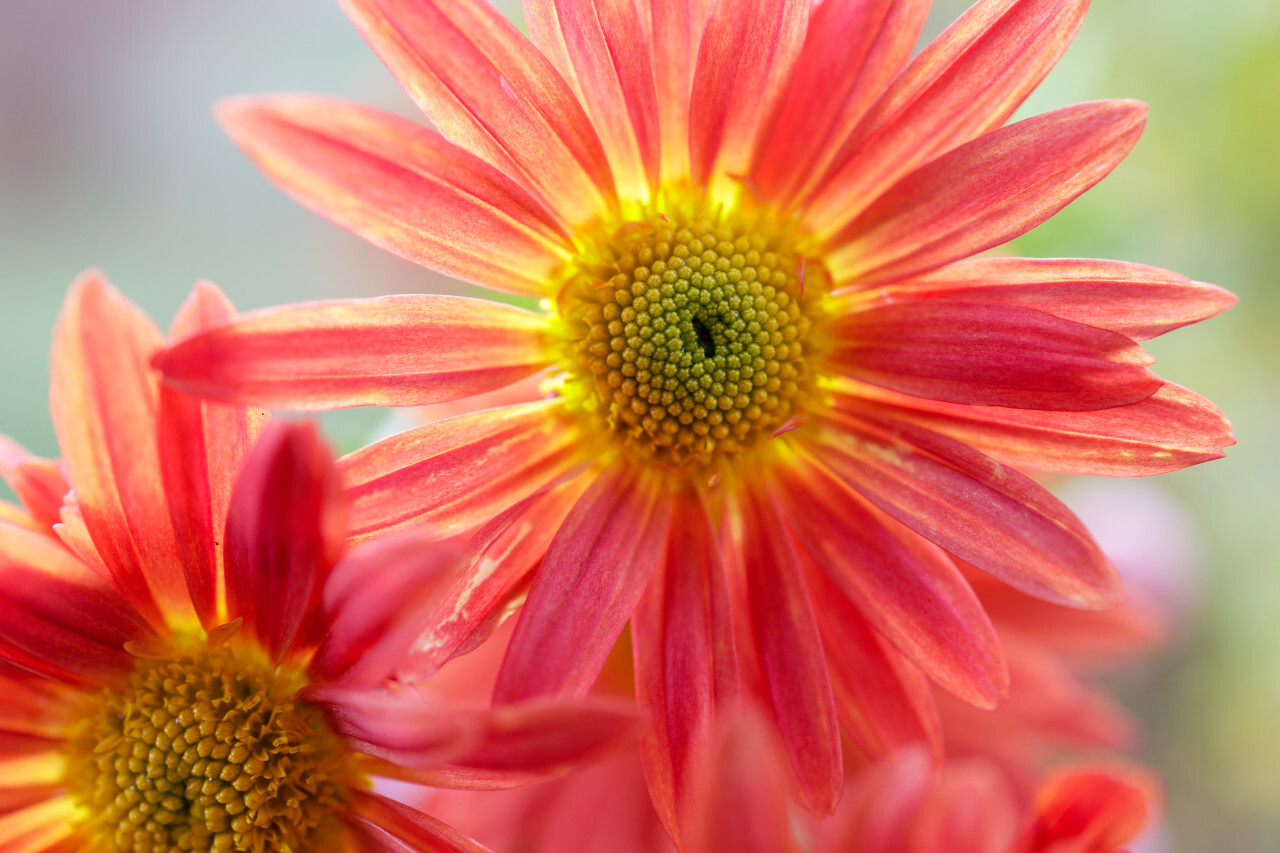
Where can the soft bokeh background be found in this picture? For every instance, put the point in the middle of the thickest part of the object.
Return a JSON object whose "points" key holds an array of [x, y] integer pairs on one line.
{"points": [[109, 157]]}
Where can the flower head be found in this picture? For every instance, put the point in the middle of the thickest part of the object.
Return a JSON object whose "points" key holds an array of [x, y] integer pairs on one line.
{"points": [[773, 378], [188, 661]]}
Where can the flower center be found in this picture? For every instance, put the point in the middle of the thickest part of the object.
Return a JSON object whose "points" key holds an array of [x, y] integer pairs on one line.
{"points": [[205, 751], [688, 343]]}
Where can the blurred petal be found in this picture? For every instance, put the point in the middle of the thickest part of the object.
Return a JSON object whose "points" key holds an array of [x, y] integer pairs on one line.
{"points": [[403, 188], [284, 531], [39, 828], [1093, 809], [396, 723], [387, 351], [39, 483], [985, 192], [397, 828], [449, 477], [991, 355], [493, 93], [590, 581]]}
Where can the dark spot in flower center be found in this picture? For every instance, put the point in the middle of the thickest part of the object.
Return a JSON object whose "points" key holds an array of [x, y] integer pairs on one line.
{"points": [[705, 339]]}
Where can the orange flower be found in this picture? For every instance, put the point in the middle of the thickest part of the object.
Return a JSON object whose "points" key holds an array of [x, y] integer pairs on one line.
{"points": [[747, 223], [186, 663]]}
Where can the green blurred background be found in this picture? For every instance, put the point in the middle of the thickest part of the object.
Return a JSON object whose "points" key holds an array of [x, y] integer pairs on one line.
{"points": [[109, 157]]}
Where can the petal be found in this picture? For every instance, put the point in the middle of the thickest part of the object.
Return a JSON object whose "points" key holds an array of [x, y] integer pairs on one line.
{"points": [[39, 483], [791, 657], [491, 92], [686, 668], [852, 50], [104, 397], [396, 828], [284, 531], [589, 583], [395, 723], [203, 447], [991, 355], [909, 590], [602, 50], [387, 351], [676, 28], [985, 192], [376, 601], [1171, 429], [966, 82], [744, 64], [451, 476], [1137, 301], [1093, 809], [983, 512], [34, 705], [38, 828], [503, 557], [59, 616]]}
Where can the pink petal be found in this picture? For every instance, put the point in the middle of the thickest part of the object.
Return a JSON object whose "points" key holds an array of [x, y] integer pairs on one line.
{"points": [[587, 588], [39, 483], [991, 355], [403, 188], [391, 827], [1171, 429], [965, 83], [396, 723], [387, 351], [602, 50], [1137, 301], [791, 656], [491, 92], [852, 50], [104, 398], [985, 192], [988, 514], [686, 668], [451, 476], [203, 447], [284, 531], [744, 63], [909, 590], [676, 28]]}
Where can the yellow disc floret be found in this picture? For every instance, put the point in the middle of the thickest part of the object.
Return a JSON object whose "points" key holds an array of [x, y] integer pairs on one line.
{"points": [[205, 751], [689, 342]]}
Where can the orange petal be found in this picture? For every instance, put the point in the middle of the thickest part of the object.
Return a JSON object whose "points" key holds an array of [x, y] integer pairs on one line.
{"points": [[203, 446], [451, 476], [104, 398], [39, 828], [403, 188], [493, 93], [39, 483], [386, 351], [1093, 809], [985, 192], [675, 28], [966, 82]]}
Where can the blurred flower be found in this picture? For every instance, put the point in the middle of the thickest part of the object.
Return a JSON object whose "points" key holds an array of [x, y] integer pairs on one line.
{"points": [[748, 224], [186, 660]]}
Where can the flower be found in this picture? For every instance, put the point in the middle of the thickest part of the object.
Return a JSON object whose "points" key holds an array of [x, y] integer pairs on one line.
{"points": [[769, 359], [187, 662]]}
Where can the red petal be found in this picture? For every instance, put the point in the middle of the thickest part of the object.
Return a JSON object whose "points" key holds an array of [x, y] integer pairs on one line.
{"points": [[491, 92], [985, 192], [402, 187], [852, 50], [744, 63], [451, 476], [1171, 429], [284, 531], [1137, 301], [602, 50], [676, 28], [104, 397], [1093, 809], [586, 589], [791, 656], [988, 514], [392, 827], [44, 827], [966, 82], [203, 447], [388, 351], [909, 590], [33, 705], [39, 483], [686, 668], [991, 355]]}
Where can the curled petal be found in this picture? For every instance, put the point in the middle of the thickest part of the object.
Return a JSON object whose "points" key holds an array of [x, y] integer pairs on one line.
{"points": [[1092, 809], [387, 351], [396, 723]]}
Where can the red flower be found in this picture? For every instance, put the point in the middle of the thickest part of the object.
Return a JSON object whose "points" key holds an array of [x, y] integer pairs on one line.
{"points": [[187, 662], [768, 359]]}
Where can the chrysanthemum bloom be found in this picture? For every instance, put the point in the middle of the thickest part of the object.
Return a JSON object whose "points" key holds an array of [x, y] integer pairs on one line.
{"points": [[747, 223], [183, 664]]}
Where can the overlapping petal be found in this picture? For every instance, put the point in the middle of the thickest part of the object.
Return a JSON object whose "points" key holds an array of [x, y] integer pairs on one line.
{"points": [[39, 483], [388, 826]]}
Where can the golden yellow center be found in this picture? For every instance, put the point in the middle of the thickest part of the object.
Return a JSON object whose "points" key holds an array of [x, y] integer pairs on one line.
{"points": [[690, 340], [206, 751]]}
